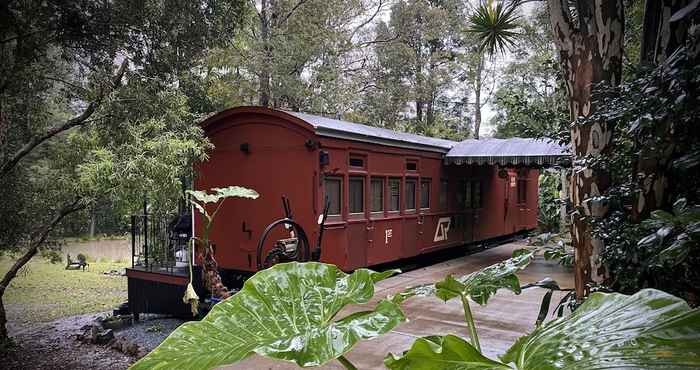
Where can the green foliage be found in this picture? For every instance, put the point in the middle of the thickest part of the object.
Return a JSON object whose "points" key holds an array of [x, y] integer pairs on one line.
{"points": [[495, 25], [200, 199], [657, 115], [416, 82], [478, 285], [531, 99], [675, 235], [559, 252], [285, 312], [435, 353], [549, 201], [650, 330], [125, 139]]}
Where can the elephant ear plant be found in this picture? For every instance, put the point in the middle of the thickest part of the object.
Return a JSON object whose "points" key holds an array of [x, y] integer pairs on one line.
{"points": [[478, 286], [285, 312], [201, 200], [648, 330]]}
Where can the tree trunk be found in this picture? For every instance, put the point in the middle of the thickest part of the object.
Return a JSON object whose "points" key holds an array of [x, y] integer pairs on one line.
{"points": [[477, 97], [34, 246], [4, 337], [660, 38], [590, 54], [93, 221], [266, 65]]}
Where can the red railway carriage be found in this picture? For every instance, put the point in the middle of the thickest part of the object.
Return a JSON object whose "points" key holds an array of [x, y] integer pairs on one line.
{"points": [[389, 195], [392, 195]]}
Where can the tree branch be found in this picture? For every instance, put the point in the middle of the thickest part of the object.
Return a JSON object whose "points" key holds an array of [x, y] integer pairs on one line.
{"points": [[286, 17], [36, 243], [53, 131]]}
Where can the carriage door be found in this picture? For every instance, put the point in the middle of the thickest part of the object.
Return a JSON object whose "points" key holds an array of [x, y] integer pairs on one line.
{"points": [[412, 221], [384, 226], [469, 221], [475, 206], [523, 210]]}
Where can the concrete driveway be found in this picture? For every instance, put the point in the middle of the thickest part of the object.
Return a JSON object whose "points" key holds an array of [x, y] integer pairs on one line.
{"points": [[506, 317]]}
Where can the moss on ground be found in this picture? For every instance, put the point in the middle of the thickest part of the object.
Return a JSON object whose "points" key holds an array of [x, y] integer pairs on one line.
{"points": [[43, 291]]}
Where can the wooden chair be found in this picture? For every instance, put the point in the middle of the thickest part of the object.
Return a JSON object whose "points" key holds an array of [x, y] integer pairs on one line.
{"points": [[81, 263]]}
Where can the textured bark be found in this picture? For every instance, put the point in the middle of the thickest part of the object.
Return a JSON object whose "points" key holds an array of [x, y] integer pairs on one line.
{"points": [[660, 37], [590, 53], [34, 245], [477, 97], [264, 97]]}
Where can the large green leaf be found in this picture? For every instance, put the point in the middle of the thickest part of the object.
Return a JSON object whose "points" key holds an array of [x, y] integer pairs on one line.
{"points": [[648, 330], [441, 353], [223, 193], [285, 312], [479, 285]]}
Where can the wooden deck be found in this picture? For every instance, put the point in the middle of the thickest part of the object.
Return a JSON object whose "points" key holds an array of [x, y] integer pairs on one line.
{"points": [[506, 317]]}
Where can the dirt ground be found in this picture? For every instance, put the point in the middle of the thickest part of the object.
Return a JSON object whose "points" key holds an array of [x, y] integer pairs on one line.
{"points": [[54, 345]]}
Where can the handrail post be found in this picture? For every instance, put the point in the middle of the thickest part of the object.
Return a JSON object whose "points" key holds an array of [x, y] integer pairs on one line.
{"points": [[133, 239], [145, 232]]}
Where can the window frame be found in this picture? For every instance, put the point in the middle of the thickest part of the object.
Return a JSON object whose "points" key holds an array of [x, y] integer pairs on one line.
{"points": [[340, 195], [361, 180], [382, 202], [362, 157], [391, 180], [429, 181], [414, 181], [408, 162]]}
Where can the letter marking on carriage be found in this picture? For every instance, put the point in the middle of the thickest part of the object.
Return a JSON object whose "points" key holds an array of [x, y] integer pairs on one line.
{"points": [[443, 227]]}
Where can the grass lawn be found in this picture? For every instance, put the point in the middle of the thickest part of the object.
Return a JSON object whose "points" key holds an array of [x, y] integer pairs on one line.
{"points": [[43, 291]]}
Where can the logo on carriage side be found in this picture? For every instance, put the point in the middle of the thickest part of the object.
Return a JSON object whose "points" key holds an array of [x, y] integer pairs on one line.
{"points": [[443, 227], [387, 235]]}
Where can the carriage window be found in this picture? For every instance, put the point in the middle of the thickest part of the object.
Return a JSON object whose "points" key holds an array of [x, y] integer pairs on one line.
{"points": [[410, 194], [394, 194], [476, 195], [411, 165], [425, 193], [377, 188], [443, 194], [522, 191], [333, 188], [357, 161], [357, 196]]}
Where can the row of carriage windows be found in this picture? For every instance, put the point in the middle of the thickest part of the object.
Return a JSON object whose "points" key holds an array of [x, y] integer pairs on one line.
{"points": [[467, 196]]}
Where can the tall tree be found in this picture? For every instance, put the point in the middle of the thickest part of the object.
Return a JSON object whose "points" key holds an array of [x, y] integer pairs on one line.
{"points": [[294, 54], [662, 34], [416, 72], [90, 107], [589, 38]]}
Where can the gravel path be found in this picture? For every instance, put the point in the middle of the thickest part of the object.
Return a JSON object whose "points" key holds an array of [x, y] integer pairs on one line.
{"points": [[53, 345]]}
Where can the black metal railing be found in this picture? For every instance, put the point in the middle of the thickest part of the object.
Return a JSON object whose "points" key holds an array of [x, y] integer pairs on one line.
{"points": [[160, 242]]}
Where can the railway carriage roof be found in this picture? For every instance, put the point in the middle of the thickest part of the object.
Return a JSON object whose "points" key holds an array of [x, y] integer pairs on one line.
{"points": [[513, 151], [354, 131]]}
